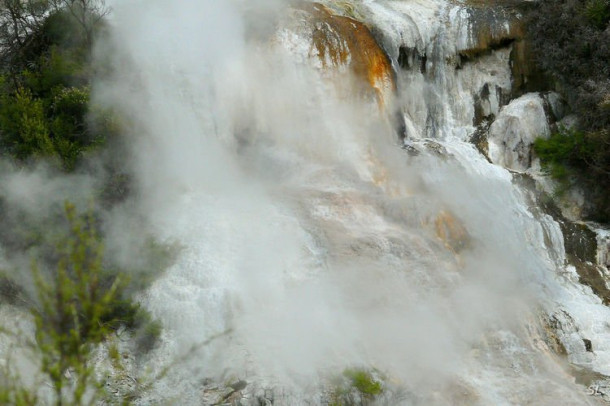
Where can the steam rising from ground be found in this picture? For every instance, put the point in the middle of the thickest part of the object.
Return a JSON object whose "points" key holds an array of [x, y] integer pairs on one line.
{"points": [[307, 233]]}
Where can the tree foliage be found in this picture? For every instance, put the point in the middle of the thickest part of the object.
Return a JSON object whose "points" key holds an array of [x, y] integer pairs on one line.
{"points": [[25, 26], [80, 296], [46, 70], [571, 39], [572, 42]]}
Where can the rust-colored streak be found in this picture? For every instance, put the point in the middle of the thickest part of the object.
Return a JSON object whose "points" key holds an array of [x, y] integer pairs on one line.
{"points": [[345, 41], [451, 231]]}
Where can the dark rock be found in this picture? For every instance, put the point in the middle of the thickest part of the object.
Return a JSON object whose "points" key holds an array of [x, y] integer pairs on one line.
{"points": [[411, 150], [239, 385], [10, 292], [588, 345], [409, 58], [581, 248], [479, 138], [527, 77]]}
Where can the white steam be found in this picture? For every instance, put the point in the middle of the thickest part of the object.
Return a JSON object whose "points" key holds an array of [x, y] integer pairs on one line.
{"points": [[307, 233]]}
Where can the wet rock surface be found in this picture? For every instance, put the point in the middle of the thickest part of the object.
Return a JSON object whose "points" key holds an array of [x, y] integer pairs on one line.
{"points": [[512, 134], [339, 41]]}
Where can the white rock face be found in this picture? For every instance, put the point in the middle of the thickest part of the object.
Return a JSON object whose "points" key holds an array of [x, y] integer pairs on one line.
{"points": [[603, 247], [512, 134], [437, 85]]}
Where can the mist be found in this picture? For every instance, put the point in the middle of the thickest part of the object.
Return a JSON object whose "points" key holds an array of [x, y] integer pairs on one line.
{"points": [[310, 240], [292, 210]]}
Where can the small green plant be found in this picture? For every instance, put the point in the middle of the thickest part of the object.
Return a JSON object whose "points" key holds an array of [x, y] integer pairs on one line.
{"points": [[73, 305], [363, 381], [356, 386], [565, 147], [563, 155], [10, 292], [79, 304], [147, 330], [598, 13]]}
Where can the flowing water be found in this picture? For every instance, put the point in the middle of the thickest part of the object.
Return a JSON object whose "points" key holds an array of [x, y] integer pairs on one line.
{"points": [[312, 241]]}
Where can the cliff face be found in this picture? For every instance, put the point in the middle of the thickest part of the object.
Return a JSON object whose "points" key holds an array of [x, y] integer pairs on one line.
{"points": [[501, 24], [452, 70], [474, 53]]}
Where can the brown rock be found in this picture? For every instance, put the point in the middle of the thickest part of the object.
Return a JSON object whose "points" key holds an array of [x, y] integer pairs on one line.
{"points": [[342, 41]]}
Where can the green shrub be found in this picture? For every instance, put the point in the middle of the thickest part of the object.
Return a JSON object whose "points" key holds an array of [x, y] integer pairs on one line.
{"points": [[583, 158], [598, 12], [363, 381], [565, 148], [146, 329], [23, 125], [55, 128], [79, 303], [569, 46], [72, 305], [44, 96], [57, 68]]}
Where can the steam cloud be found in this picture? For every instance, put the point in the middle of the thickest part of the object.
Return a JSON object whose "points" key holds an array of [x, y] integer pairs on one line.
{"points": [[306, 232]]}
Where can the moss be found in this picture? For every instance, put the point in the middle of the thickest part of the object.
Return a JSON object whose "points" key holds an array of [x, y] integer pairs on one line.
{"points": [[593, 277], [487, 3], [136, 319], [581, 248], [479, 138], [550, 326]]}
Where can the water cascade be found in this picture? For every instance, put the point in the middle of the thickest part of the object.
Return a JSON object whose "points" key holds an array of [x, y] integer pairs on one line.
{"points": [[316, 163]]}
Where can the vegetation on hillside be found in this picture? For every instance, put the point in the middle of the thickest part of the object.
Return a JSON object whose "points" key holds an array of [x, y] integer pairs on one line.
{"points": [[76, 295], [76, 306], [45, 76], [572, 41]]}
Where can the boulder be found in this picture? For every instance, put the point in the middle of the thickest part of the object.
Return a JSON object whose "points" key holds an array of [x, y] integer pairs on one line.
{"points": [[512, 134]]}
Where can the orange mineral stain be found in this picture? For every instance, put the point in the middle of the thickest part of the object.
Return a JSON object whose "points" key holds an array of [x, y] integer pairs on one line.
{"points": [[343, 41]]}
